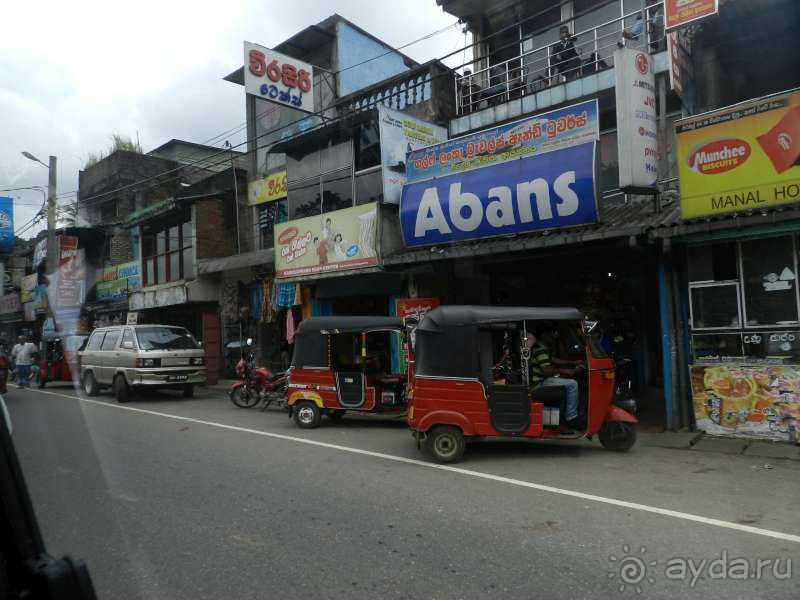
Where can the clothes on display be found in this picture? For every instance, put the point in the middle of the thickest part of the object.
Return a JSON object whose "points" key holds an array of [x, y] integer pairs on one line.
{"points": [[290, 326]]}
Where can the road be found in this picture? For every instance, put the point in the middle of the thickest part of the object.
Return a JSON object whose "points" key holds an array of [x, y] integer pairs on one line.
{"points": [[167, 498]]}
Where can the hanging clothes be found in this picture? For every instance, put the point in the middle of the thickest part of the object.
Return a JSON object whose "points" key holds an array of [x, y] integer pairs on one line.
{"points": [[306, 308], [286, 294], [290, 326], [256, 301], [273, 299], [268, 312], [298, 295]]}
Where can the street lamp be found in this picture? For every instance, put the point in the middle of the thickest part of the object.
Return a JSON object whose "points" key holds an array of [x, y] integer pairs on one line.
{"points": [[52, 255]]}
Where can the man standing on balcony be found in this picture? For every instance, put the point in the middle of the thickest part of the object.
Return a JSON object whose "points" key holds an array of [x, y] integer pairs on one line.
{"points": [[565, 58]]}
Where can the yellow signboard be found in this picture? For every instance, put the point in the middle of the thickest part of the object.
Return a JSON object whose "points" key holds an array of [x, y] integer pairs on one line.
{"points": [[271, 187], [741, 158]]}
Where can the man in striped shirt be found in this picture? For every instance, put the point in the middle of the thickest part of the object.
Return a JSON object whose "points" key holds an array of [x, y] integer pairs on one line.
{"points": [[542, 370]]}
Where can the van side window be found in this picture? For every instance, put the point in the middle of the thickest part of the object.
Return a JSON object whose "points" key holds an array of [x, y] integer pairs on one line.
{"points": [[96, 340], [127, 336], [111, 340]]}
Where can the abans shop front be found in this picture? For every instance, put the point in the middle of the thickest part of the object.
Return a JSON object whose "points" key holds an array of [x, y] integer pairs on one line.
{"points": [[520, 223]]}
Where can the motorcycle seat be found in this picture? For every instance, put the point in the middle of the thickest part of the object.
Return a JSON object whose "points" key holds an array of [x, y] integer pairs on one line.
{"points": [[274, 376]]}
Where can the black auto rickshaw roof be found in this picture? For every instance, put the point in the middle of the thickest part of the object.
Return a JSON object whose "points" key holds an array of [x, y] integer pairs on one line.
{"points": [[311, 341], [325, 325], [454, 316]]}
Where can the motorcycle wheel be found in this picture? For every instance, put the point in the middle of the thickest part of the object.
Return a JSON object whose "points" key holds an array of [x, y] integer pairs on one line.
{"points": [[244, 397]]}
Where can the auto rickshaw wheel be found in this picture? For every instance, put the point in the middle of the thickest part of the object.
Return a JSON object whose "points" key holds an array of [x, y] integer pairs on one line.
{"points": [[306, 415], [445, 444], [617, 436], [121, 391], [90, 384]]}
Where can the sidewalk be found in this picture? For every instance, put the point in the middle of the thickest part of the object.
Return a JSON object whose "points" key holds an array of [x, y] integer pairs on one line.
{"points": [[700, 442]]}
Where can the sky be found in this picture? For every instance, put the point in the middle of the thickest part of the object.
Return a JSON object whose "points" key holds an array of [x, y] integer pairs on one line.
{"points": [[73, 73]]}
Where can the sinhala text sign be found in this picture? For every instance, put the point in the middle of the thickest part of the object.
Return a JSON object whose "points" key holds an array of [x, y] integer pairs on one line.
{"points": [[278, 78], [682, 12], [335, 241], [530, 175], [740, 158]]}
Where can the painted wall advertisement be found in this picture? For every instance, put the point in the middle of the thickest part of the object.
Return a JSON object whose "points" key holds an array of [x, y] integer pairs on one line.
{"points": [[278, 78], [118, 281], [534, 174], [334, 241], [637, 140], [399, 135], [744, 157], [6, 224], [747, 401], [678, 13], [269, 188]]}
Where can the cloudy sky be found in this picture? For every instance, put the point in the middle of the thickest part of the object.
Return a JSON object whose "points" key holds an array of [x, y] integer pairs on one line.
{"points": [[73, 73]]}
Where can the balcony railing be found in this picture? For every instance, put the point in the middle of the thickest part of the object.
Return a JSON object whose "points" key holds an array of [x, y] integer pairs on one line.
{"points": [[539, 68]]}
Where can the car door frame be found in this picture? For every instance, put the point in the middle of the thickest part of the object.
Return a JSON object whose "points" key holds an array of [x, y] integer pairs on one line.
{"points": [[108, 358]]}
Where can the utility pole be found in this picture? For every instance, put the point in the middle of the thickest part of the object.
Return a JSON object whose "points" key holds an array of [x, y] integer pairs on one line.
{"points": [[52, 251]]}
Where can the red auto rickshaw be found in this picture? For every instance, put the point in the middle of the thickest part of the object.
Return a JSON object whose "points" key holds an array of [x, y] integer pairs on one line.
{"points": [[457, 390], [343, 364], [58, 357]]}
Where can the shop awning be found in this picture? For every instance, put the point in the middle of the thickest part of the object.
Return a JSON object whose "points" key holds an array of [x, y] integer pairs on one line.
{"points": [[617, 221], [781, 219], [236, 261]]}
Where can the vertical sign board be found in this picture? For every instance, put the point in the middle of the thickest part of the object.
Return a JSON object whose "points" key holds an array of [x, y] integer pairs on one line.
{"points": [[674, 53], [6, 224], [399, 135], [278, 78], [533, 174], [678, 13], [637, 140]]}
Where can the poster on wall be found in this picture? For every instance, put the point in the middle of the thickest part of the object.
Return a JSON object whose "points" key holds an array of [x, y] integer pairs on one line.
{"points": [[678, 13], [278, 78], [27, 288], [637, 139], [746, 401], [416, 308], [118, 281], [399, 135], [743, 157], [334, 241], [6, 224]]}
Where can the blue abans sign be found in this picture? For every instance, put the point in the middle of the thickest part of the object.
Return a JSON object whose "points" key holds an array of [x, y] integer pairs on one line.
{"points": [[6, 224], [551, 190]]}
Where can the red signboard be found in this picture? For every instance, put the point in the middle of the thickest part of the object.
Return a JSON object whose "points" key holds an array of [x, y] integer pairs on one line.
{"points": [[414, 307], [678, 13], [674, 51]]}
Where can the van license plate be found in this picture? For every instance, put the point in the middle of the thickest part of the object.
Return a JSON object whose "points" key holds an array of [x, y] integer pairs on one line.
{"points": [[177, 377]]}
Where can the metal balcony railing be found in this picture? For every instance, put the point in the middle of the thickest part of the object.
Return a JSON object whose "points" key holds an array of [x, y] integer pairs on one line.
{"points": [[539, 68]]}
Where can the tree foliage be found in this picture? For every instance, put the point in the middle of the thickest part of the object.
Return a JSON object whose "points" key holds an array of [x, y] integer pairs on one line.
{"points": [[118, 142]]}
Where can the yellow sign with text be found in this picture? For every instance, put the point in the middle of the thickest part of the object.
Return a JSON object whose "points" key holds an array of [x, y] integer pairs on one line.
{"points": [[741, 158], [272, 187]]}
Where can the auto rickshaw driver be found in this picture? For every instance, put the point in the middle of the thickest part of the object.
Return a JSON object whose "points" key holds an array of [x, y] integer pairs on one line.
{"points": [[546, 371]]}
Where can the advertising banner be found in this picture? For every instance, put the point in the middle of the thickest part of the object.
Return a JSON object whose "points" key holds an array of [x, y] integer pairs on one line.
{"points": [[556, 189], [6, 224], [757, 401], [744, 157], [334, 241], [675, 60], [118, 281], [554, 130], [27, 288], [678, 13], [637, 140], [416, 308], [399, 135], [269, 188], [39, 252], [278, 78]]}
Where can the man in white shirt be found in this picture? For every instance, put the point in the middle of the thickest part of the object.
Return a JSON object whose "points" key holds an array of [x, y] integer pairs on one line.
{"points": [[24, 361], [14, 352]]}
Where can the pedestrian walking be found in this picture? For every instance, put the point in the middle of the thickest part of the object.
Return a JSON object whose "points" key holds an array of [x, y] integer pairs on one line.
{"points": [[14, 351], [24, 360]]}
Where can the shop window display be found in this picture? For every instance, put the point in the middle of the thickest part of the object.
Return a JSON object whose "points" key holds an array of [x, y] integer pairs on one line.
{"points": [[768, 271]]}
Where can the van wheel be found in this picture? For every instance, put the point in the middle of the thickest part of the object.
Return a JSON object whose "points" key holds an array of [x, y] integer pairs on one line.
{"points": [[188, 390], [90, 384], [306, 415], [445, 444], [121, 391], [617, 436]]}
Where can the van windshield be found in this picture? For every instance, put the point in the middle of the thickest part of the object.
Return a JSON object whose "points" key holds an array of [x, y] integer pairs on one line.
{"points": [[165, 338]]}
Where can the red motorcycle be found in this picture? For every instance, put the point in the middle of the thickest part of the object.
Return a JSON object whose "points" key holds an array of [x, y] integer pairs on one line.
{"points": [[257, 384]]}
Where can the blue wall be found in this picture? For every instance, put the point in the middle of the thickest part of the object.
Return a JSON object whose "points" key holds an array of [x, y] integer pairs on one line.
{"points": [[353, 47]]}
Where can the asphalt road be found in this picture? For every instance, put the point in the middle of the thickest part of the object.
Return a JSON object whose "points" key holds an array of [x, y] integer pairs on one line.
{"points": [[168, 498]]}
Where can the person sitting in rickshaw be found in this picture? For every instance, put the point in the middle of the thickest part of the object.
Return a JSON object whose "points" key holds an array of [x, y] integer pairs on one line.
{"points": [[544, 371]]}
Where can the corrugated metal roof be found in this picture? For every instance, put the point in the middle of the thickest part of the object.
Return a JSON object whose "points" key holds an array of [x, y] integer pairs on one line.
{"points": [[617, 220]]}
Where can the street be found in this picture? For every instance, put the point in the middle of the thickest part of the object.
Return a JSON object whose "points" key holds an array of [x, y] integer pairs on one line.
{"points": [[173, 498]]}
